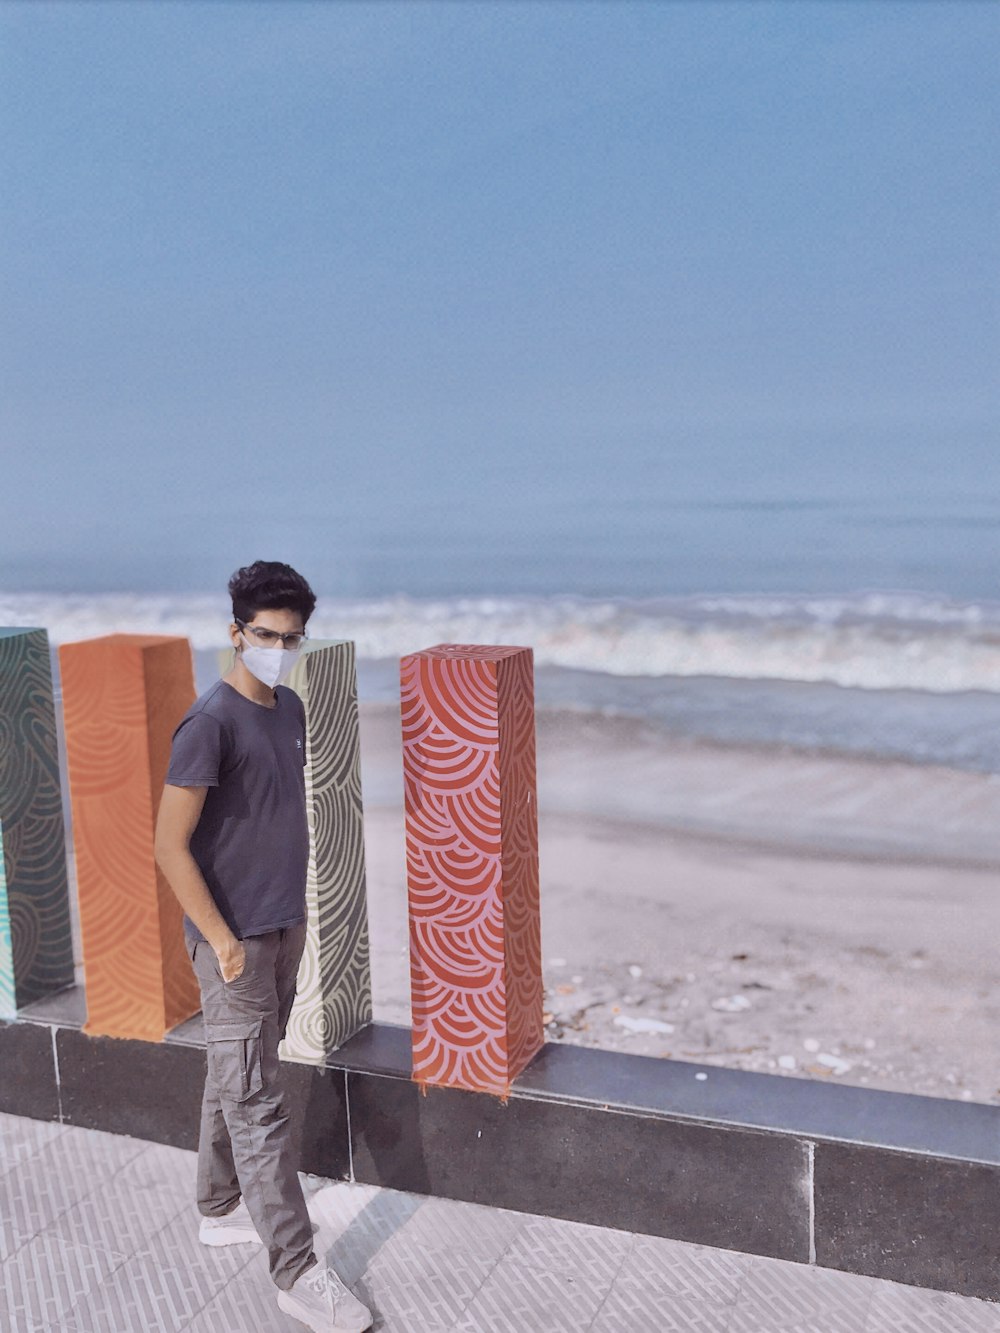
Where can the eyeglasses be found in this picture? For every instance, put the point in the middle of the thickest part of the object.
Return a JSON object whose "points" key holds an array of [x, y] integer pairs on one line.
{"points": [[270, 638]]}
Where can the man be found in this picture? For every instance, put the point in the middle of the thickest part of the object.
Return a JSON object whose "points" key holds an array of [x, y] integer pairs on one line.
{"points": [[233, 843]]}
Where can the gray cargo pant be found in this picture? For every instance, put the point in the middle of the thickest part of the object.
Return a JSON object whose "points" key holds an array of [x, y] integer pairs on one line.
{"points": [[245, 1145]]}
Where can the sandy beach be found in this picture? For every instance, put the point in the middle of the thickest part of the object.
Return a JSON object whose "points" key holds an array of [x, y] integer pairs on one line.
{"points": [[798, 914]]}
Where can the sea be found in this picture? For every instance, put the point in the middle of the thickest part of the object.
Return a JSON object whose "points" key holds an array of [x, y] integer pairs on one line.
{"points": [[845, 602], [888, 675]]}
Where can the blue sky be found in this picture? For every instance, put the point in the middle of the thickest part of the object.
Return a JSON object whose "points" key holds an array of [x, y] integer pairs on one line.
{"points": [[313, 270]]}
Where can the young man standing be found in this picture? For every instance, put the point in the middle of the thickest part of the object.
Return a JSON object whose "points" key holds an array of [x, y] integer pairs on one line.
{"points": [[233, 842]]}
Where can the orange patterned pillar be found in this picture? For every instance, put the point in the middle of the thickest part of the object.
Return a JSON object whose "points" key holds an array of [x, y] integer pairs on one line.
{"points": [[472, 864], [123, 696]]}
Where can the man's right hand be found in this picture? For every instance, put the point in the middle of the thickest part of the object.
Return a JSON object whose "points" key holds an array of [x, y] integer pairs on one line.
{"points": [[232, 960]]}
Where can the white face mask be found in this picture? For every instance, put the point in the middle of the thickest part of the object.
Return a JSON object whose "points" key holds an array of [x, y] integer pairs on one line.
{"points": [[270, 665]]}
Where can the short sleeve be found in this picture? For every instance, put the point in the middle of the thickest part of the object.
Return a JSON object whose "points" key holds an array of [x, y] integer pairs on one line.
{"points": [[300, 711], [196, 753]]}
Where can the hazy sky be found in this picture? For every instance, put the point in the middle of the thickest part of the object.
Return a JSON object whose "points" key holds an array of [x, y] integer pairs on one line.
{"points": [[274, 268]]}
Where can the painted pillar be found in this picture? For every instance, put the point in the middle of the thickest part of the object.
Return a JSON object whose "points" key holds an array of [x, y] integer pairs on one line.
{"points": [[472, 864], [36, 943], [334, 984], [123, 696], [8, 1001]]}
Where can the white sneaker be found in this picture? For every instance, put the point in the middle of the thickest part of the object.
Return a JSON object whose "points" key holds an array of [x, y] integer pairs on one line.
{"points": [[236, 1228], [321, 1301]]}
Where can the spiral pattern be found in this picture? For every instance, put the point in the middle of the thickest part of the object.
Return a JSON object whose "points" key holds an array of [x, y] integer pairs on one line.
{"points": [[472, 863], [334, 982], [123, 696], [8, 1007], [39, 957]]}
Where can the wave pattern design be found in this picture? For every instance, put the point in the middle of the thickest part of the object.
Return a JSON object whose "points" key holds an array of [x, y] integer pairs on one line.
{"points": [[123, 696], [469, 945], [8, 1007], [519, 825], [334, 982], [37, 887]]}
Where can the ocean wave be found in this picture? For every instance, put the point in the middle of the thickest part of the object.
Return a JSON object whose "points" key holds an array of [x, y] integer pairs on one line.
{"points": [[872, 640]]}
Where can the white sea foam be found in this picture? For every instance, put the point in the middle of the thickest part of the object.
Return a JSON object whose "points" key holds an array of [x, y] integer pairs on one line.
{"points": [[869, 641]]}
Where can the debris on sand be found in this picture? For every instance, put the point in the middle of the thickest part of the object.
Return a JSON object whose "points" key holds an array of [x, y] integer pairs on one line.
{"points": [[642, 1024], [834, 1063]]}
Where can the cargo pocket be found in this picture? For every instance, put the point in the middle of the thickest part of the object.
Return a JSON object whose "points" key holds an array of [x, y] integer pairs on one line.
{"points": [[234, 1058]]}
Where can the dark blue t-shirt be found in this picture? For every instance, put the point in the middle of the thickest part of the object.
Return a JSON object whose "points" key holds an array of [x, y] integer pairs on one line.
{"points": [[252, 840]]}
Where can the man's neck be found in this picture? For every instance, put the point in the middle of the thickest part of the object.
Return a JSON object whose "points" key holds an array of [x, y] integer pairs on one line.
{"points": [[249, 686]]}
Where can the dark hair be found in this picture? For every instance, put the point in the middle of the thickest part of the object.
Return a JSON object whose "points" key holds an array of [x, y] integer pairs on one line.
{"points": [[268, 585]]}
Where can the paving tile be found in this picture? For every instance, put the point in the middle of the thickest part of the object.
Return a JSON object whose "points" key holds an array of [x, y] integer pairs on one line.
{"points": [[776, 1295], [21, 1138], [161, 1169], [515, 1298], [121, 1216], [916, 1310], [418, 1262], [46, 1278], [834, 1320], [415, 1287], [87, 1157], [693, 1272], [41, 1187], [445, 1223], [210, 1267], [32, 1196], [595, 1253], [358, 1238], [633, 1306], [246, 1304], [669, 1286], [24, 1209], [141, 1294], [335, 1206]]}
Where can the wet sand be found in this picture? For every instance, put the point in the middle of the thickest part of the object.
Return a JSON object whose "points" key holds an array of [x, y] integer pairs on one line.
{"points": [[809, 915]]}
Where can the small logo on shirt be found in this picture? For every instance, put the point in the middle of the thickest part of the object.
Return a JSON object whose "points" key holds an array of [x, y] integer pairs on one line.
{"points": [[298, 744]]}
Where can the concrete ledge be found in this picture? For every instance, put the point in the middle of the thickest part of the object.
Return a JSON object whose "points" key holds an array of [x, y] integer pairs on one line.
{"points": [[888, 1184], [739, 1190], [929, 1221]]}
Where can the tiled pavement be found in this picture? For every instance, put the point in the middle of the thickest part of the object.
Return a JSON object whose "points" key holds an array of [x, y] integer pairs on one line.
{"points": [[98, 1235]]}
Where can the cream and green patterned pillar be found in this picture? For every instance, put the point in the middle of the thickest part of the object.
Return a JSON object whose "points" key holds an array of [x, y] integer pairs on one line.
{"points": [[334, 985], [36, 943]]}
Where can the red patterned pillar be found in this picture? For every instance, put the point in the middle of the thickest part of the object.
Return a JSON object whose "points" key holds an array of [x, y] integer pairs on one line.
{"points": [[472, 864]]}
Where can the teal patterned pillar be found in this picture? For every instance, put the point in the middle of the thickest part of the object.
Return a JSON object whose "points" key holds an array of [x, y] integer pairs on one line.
{"points": [[334, 985], [36, 945]]}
